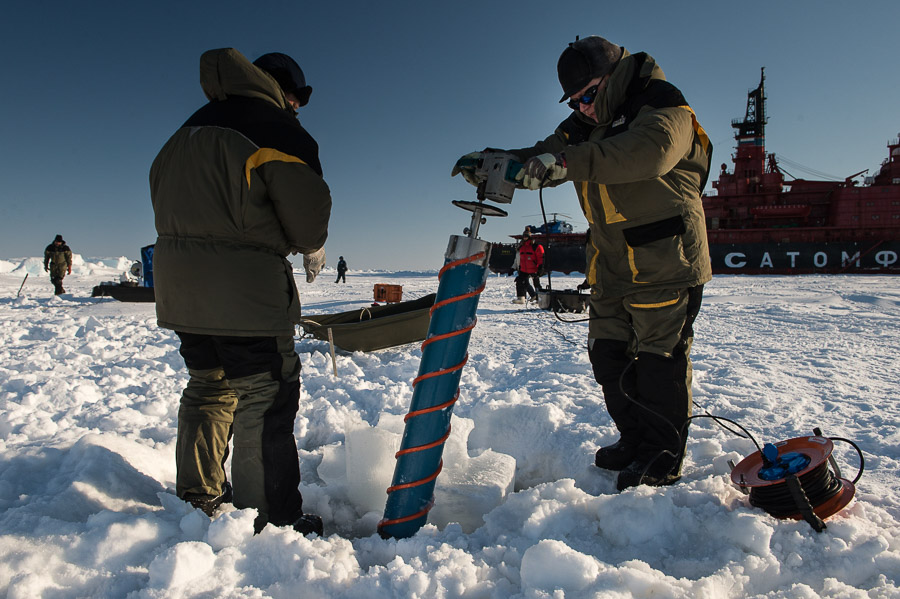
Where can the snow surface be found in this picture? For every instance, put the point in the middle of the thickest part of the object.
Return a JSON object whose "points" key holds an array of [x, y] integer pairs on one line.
{"points": [[89, 391]]}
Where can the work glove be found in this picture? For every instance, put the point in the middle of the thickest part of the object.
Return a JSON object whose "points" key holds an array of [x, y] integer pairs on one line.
{"points": [[69, 270], [544, 170], [467, 170], [313, 263], [46, 268]]}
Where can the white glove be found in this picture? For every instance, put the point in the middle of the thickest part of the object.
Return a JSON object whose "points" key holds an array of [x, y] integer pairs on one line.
{"points": [[544, 170], [466, 166], [313, 263]]}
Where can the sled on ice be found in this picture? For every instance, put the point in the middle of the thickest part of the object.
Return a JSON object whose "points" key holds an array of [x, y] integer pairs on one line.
{"points": [[375, 327]]}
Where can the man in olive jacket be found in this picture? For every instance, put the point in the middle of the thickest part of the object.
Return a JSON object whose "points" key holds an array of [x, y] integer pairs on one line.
{"points": [[639, 161], [236, 190], [58, 262]]}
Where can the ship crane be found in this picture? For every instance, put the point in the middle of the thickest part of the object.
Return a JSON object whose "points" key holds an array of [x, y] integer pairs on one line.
{"points": [[849, 180]]}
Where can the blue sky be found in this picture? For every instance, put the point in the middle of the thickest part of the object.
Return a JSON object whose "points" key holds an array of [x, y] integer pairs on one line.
{"points": [[92, 90]]}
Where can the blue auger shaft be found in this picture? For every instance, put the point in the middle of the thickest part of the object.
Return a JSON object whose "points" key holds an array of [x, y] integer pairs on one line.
{"points": [[436, 388]]}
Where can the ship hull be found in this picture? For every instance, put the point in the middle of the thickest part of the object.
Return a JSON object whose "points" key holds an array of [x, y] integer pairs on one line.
{"points": [[748, 257], [757, 258], [565, 255]]}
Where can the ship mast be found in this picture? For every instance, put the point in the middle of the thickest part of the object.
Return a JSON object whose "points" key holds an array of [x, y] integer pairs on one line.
{"points": [[750, 160]]}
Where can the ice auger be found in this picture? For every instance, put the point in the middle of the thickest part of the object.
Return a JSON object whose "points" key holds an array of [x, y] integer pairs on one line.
{"points": [[445, 352]]}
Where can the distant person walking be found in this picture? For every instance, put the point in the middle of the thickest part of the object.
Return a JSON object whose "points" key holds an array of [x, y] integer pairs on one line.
{"points": [[58, 262], [530, 264], [342, 270], [236, 190]]}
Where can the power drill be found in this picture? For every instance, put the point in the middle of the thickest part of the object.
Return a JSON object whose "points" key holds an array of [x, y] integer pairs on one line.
{"points": [[496, 173]]}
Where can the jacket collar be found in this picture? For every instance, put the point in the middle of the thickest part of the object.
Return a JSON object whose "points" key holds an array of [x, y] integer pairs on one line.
{"points": [[630, 76]]}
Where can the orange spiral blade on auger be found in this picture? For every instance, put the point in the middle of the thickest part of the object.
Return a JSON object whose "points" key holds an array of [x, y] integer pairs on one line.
{"points": [[436, 388]]}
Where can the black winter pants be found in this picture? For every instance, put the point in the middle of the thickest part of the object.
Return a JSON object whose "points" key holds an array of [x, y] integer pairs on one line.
{"points": [[658, 385], [524, 284], [248, 386]]}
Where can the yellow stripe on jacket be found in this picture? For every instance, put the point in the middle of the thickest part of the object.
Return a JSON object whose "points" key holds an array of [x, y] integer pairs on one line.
{"points": [[264, 155]]}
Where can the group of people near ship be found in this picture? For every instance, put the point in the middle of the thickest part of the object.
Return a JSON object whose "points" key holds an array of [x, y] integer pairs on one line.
{"points": [[638, 159]]}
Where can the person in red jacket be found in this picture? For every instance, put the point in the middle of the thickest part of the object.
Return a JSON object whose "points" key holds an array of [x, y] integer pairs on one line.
{"points": [[531, 264]]}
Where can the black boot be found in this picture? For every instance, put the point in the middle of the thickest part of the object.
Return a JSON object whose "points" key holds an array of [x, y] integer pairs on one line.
{"points": [[663, 395], [616, 456], [307, 524], [651, 468], [654, 473], [208, 503], [617, 377]]}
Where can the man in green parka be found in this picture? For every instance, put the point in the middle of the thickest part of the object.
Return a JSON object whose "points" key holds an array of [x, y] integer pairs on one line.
{"points": [[58, 262], [639, 161], [236, 190]]}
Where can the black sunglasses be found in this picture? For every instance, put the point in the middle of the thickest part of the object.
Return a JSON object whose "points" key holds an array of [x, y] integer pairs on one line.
{"points": [[586, 98]]}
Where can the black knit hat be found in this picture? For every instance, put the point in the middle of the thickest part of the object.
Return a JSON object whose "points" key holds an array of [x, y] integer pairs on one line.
{"points": [[287, 73], [59, 239], [583, 60]]}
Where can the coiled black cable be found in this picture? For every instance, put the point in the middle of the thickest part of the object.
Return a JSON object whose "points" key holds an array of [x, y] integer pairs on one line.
{"points": [[819, 485]]}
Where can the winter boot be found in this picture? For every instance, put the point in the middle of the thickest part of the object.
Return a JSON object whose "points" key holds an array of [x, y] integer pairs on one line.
{"points": [[616, 456], [653, 472], [308, 523], [616, 374], [662, 389], [519, 300], [208, 503]]}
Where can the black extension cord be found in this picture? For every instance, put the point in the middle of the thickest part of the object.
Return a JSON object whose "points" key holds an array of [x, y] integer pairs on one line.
{"points": [[819, 485]]}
